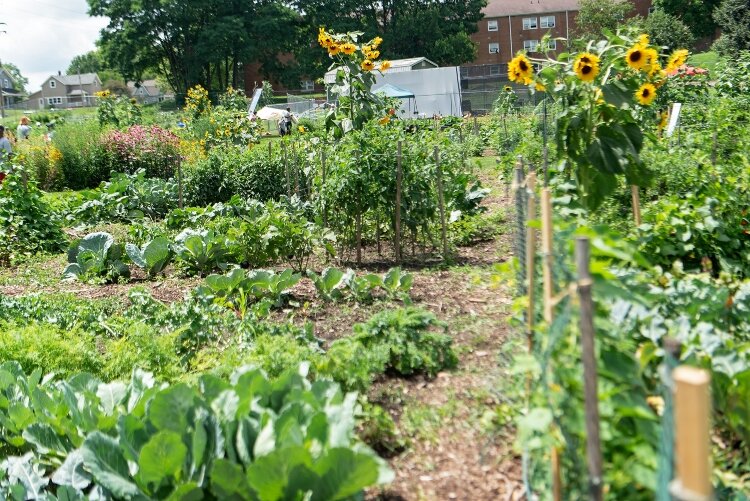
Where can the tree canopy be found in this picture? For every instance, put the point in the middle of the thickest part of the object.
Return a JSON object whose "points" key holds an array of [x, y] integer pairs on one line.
{"points": [[697, 14], [733, 17], [667, 30], [20, 80], [193, 41], [206, 41], [595, 16]]}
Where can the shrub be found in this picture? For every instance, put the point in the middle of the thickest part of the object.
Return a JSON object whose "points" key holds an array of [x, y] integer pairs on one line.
{"points": [[229, 171], [27, 224], [82, 161], [152, 149]]}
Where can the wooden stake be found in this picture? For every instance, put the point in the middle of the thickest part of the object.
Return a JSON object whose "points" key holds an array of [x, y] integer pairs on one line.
{"points": [[530, 256], [636, 204], [322, 185], [358, 221], [397, 234], [547, 250], [270, 155], [286, 168], [296, 168], [441, 203], [179, 182], [476, 126], [588, 357], [556, 477], [692, 407]]}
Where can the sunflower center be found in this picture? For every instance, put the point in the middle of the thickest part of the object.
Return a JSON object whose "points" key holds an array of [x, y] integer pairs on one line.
{"points": [[586, 69], [635, 56], [646, 92], [523, 65]]}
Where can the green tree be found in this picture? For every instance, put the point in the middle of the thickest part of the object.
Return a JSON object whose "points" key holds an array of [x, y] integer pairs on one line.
{"points": [[733, 17], [596, 16], [90, 62], [193, 41], [20, 80], [667, 30], [436, 29], [696, 14]]}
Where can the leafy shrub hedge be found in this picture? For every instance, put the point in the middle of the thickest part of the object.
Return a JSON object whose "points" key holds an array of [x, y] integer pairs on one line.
{"points": [[228, 171]]}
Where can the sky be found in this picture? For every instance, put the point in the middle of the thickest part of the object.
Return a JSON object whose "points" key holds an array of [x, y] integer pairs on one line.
{"points": [[42, 36]]}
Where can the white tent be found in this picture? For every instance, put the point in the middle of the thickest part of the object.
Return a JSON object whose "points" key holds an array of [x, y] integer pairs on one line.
{"points": [[268, 113]]}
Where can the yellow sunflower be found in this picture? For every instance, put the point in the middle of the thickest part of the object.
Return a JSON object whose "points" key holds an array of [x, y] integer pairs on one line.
{"points": [[644, 40], [376, 42], [348, 48], [508, 88], [646, 94], [372, 54], [385, 120], [520, 69], [385, 65], [677, 59], [334, 49], [368, 65], [636, 57], [539, 87], [586, 66]]}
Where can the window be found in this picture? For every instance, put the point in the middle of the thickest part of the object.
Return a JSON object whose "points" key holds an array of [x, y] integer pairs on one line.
{"points": [[494, 70], [54, 100], [531, 45], [52, 84], [307, 85], [41, 102], [547, 21], [6, 83], [492, 25], [529, 23], [494, 48], [550, 45]]}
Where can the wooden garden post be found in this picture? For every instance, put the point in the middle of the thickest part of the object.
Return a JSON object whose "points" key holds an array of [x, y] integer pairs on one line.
{"points": [[358, 221], [322, 185], [692, 405], [397, 234], [284, 155], [476, 126], [588, 357], [179, 182], [530, 255], [441, 203], [270, 155], [634, 190]]}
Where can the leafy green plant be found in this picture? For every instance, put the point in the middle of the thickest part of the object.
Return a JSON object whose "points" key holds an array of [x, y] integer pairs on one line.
{"points": [[408, 335], [96, 257], [246, 438], [27, 224], [397, 284], [201, 251], [152, 257], [330, 283], [237, 288], [361, 287]]}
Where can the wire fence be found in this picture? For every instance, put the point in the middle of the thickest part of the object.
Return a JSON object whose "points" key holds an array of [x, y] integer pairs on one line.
{"points": [[545, 336]]}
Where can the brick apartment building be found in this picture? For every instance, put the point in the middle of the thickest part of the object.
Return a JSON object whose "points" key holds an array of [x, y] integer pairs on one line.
{"points": [[509, 26]]}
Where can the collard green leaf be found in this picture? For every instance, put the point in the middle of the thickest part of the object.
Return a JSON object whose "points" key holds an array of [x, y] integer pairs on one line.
{"points": [[71, 472], [104, 459], [169, 409], [162, 457]]}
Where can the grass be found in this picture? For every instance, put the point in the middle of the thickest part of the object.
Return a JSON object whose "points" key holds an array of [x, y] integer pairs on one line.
{"points": [[706, 60]]}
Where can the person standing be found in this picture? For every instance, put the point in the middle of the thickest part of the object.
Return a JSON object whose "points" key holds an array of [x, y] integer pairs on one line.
{"points": [[24, 129], [5, 152]]}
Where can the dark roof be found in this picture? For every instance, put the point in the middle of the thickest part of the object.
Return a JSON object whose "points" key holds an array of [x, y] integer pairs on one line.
{"points": [[500, 8], [82, 79]]}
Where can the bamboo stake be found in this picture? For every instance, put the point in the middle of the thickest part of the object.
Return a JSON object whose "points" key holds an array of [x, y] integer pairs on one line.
{"points": [[588, 357], [296, 168], [549, 304], [397, 234], [179, 182], [441, 203], [286, 168], [692, 407], [636, 204], [530, 256], [323, 182], [547, 250]]}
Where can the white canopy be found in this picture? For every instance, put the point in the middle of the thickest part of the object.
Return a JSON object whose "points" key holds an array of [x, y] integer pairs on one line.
{"points": [[268, 113]]}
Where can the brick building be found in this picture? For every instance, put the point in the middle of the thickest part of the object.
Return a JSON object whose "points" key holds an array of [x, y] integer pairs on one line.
{"points": [[509, 26]]}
